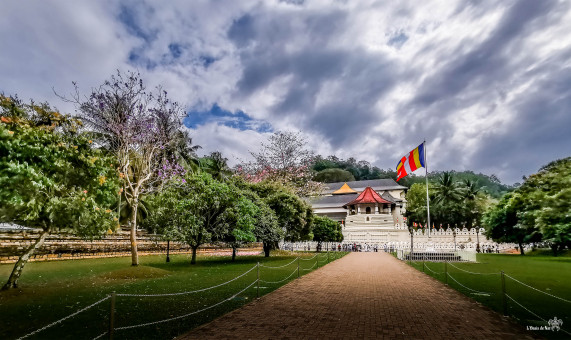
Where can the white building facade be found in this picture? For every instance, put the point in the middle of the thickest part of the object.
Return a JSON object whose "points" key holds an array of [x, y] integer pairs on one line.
{"points": [[372, 216]]}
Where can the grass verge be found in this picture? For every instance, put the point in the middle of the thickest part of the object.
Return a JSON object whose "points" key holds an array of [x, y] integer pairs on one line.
{"points": [[551, 276], [50, 291]]}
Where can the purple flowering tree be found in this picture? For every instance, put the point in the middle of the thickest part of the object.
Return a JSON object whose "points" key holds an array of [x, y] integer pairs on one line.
{"points": [[141, 128]]}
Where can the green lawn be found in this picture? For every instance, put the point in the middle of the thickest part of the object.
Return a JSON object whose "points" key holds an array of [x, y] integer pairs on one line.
{"points": [[52, 290], [546, 273]]}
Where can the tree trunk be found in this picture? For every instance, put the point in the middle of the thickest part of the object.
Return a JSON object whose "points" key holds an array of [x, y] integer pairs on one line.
{"points": [[233, 253], [193, 260], [134, 254], [267, 248], [521, 249], [554, 247], [19, 266]]}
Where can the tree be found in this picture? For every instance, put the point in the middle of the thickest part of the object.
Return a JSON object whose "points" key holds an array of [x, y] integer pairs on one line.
{"points": [[416, 204], [196, 209], [326, 230], [51, 177], [294, 215], [239, 222], [285, 159], [539, 209], [267, 229], [446, 190], [142, 130], [216, 165], [333, 175], [502, 223], [547, 206]]}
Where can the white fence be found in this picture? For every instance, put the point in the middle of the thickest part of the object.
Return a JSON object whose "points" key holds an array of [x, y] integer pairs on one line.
{"points": [[455, 256]]}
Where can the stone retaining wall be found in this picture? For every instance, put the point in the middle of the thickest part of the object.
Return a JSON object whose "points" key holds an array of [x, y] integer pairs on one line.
{"points": [[62, 246]]}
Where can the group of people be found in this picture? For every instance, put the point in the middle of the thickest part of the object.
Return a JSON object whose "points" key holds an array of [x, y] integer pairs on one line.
{"points": [[359, 247]]}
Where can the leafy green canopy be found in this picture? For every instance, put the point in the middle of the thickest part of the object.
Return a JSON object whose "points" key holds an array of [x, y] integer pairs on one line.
{"points": [[326, 230], [197, 209], [452, 202], [51, 176], [294, 215], [539, 209]]}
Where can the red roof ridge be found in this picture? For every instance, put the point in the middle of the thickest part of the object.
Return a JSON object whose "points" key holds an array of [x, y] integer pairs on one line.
{"points": [[368, 196]]}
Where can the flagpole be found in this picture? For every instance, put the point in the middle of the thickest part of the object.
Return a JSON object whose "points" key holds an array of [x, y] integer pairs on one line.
{"points": [[427, 198]]}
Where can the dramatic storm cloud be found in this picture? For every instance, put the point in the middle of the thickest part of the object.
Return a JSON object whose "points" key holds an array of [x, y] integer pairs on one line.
{"points": [[486, 83]]}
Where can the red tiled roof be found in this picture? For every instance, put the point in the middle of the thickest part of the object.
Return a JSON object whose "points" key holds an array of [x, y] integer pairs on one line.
{"points": [[368, 196]]}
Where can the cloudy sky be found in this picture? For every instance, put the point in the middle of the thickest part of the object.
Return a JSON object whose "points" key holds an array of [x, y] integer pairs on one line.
{"points": [[486, 83]]}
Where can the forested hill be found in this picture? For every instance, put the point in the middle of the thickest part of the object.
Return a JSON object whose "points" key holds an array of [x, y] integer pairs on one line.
{"points": [[333, 169]]}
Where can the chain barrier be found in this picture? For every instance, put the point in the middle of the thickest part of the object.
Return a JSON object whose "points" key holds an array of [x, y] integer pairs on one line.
{"points": [[473, 290], [310, 267], [285, 265], [192, 291], [295, 271], [469, 272], [63, 319], [557, 297], [427, 267], [188, 314]]}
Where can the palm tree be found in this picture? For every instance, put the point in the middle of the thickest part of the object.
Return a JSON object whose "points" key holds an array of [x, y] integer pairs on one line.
{"points": [[182, 149], [216, 165], [446, 190], [471, 189]]}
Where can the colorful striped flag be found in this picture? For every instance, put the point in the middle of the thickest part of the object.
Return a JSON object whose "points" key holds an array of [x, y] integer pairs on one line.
{"points": [[413, 161]]}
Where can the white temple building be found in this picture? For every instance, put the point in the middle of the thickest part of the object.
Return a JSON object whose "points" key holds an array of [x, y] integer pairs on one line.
{"points": [[372, 214]]}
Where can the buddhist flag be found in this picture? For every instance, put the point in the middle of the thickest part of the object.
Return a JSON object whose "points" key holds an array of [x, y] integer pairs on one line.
{"points": [[411, 162]]}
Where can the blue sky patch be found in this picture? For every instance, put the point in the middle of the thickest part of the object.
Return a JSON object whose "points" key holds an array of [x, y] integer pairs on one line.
{"points": [[238, 120], [206, 60], [175, 50], [128, 17], [397, 40]]}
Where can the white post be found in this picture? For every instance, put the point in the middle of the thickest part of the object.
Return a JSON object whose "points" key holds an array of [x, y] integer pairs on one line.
{"points": [[426, 178]]}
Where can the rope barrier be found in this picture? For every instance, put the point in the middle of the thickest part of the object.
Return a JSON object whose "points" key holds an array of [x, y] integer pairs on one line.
{"points": [[476, 291], [100, 336], [180, 293], [63, 319], [469, 272], [427, 267], [295, 271], [188, 314], [532, 313], [285, 265], [311, 266], [192, 291], [557, 297]]}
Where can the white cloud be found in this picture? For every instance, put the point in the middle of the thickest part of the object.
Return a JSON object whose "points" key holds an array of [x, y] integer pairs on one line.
{"points": [[462, 74]]}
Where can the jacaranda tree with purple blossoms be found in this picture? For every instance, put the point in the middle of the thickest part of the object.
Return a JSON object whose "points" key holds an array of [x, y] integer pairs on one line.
{"points": [[142, 129]]}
